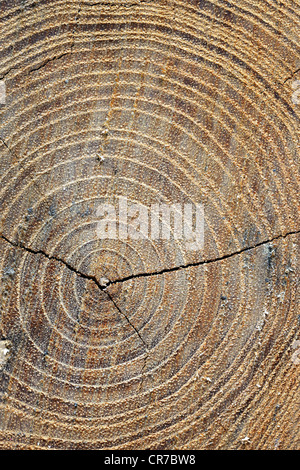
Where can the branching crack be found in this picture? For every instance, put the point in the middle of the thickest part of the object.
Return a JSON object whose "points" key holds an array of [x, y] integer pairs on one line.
{"points": [[153, 273], [79, 273], [148, 274]]}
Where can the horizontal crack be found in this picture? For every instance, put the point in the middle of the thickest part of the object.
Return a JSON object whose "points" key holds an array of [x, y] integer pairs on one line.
{"points": [[40, 66], [118, 5], [56, 57], [51, 59], [200, 263]]}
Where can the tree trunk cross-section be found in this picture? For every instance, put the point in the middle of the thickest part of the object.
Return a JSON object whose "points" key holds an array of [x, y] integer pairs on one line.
{"points": [[144, 344]]}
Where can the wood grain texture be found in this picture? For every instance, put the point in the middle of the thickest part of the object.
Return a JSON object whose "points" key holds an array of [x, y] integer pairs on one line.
{"points": [[160, 102]]}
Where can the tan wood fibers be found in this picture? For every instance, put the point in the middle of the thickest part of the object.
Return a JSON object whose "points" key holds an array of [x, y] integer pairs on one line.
{"points": [[123, 344]]}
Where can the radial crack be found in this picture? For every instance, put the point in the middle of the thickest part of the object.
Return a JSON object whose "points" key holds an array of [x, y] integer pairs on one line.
{"points": [[128, 320], [204, 262], [8, 71], [290, 78], [50, 257], [5, 144]]}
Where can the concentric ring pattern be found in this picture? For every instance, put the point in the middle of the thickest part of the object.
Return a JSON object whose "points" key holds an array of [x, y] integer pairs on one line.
{"points": [[145, 344]]}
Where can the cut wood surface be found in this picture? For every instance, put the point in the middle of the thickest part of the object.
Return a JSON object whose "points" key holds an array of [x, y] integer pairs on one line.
{"points": [[145, 344]]}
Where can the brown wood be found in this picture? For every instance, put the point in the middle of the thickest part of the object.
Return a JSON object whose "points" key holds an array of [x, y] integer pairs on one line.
{"points": [[111, 344]]}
